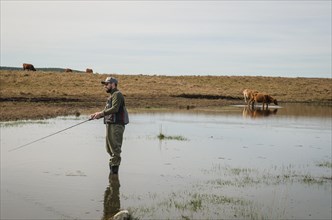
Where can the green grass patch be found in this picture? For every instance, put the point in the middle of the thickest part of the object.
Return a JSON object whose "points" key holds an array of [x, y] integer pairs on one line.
{"points": [[327, 164], [312, 180], [161, 136], [22, 123]]}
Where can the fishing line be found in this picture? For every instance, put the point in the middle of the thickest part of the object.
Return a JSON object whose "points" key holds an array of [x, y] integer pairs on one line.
{"points": [[24, 145]]}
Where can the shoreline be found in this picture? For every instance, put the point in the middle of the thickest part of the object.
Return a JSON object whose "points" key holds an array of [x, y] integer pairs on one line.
{"points": [[41, 95]]}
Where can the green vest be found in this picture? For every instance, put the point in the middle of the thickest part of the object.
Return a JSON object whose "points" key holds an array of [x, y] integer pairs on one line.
{"points": [[119, 117]]}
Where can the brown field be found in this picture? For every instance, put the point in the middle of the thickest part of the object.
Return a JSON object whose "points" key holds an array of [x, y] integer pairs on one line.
{"points": [[36, 95]]}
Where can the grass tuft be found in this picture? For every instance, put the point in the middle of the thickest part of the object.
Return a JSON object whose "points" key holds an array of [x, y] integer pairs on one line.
{"points": [[325, 164], [161, 136]]}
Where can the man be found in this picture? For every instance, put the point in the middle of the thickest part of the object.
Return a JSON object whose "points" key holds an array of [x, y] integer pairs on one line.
{"points": [[115, 117]]}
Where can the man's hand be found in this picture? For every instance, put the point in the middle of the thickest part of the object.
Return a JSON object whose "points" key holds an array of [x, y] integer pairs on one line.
{"points": [[96, 115]]}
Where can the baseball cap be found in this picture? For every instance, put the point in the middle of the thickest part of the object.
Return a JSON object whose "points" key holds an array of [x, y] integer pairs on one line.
{"points": [[110, 80]]}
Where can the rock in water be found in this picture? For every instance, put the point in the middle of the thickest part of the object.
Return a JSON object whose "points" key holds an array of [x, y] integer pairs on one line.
{"points": [[122, 215]]}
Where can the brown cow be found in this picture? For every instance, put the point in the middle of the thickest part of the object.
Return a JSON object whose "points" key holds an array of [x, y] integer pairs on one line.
{"points": [[28, 66], [68, 70], [89, 70], [262, 98], [248, 94]]}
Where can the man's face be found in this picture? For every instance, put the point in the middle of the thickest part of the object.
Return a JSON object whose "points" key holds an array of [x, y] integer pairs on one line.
{"points": [[108, 86]]}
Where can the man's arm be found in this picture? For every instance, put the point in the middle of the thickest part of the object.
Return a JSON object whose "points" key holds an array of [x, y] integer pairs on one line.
{"points": [[116, 102]]}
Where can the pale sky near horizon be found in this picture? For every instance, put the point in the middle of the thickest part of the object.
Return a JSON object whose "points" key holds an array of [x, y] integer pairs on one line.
{"points": [[266, 38]]}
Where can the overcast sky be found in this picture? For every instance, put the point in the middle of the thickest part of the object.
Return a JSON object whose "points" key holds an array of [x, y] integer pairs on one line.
{"points": [[270, 38]]}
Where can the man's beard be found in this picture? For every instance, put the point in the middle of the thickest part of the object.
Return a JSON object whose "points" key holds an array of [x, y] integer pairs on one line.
{"points": [[108, 90]]}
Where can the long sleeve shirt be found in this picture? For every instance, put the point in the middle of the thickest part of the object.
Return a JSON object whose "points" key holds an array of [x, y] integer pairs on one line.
{"points": [[114, 102]]}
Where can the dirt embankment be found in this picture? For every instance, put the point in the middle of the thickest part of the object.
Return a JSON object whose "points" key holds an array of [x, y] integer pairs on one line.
{"points": [[32, 95]]}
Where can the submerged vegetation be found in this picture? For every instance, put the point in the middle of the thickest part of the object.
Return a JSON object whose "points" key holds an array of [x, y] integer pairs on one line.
{"points": [[214, 198], [327, 164], [161, 136], [22, 123], [243, 177], [194, 205]]}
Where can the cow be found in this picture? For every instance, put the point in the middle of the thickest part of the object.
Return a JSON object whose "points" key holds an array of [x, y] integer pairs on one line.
{"points": [[89, 70], [248, 94], [68, 70], [262, 98], [28, 66]]}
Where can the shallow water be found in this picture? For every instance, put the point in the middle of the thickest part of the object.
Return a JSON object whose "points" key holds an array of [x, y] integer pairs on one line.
{"points": [[235, 164]]}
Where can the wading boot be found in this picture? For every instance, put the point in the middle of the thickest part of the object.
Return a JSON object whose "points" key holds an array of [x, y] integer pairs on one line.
{"points": [[114, 169]]}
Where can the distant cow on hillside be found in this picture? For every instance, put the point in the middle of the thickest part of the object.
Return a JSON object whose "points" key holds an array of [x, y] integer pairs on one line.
{"points": [[68, 70], [27, 66], [89, 70]]}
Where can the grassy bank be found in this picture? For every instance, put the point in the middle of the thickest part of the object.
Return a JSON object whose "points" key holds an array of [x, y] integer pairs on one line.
{"points": [[29, 95]]}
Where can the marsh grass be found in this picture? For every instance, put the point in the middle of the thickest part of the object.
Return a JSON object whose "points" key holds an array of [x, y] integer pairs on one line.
{"points": [[162, 136], [244, 177], [175, 137], [196, 205], [308, 179], [22, 123], [222, 196], [327, 164]]}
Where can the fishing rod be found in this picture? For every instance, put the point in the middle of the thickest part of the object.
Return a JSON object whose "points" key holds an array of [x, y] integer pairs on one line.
{"points": [[19, 147]]}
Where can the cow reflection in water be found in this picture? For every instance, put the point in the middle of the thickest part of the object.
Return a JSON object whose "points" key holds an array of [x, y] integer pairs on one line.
{"points": [[257, 112], [112, 197]]}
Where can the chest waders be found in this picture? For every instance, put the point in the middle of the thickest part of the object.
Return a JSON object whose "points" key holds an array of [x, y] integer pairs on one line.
{"points": [[115, 127]]}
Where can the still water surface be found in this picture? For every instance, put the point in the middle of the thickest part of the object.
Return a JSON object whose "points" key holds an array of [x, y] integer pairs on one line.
{"points": [[234, 164]]}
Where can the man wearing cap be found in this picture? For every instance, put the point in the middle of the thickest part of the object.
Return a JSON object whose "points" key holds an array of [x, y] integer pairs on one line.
{"points": [[115, 117]]}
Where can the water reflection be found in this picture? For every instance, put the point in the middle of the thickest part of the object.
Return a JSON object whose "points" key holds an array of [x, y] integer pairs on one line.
{"points": [[263, 163], [112, 197], [258, 112]]}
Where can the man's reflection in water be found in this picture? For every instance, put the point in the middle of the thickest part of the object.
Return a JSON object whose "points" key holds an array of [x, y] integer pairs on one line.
{"points": [[112, 197]]}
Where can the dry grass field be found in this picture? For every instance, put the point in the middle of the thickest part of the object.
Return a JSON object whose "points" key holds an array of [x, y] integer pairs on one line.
{"points": [[32, 95]]}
